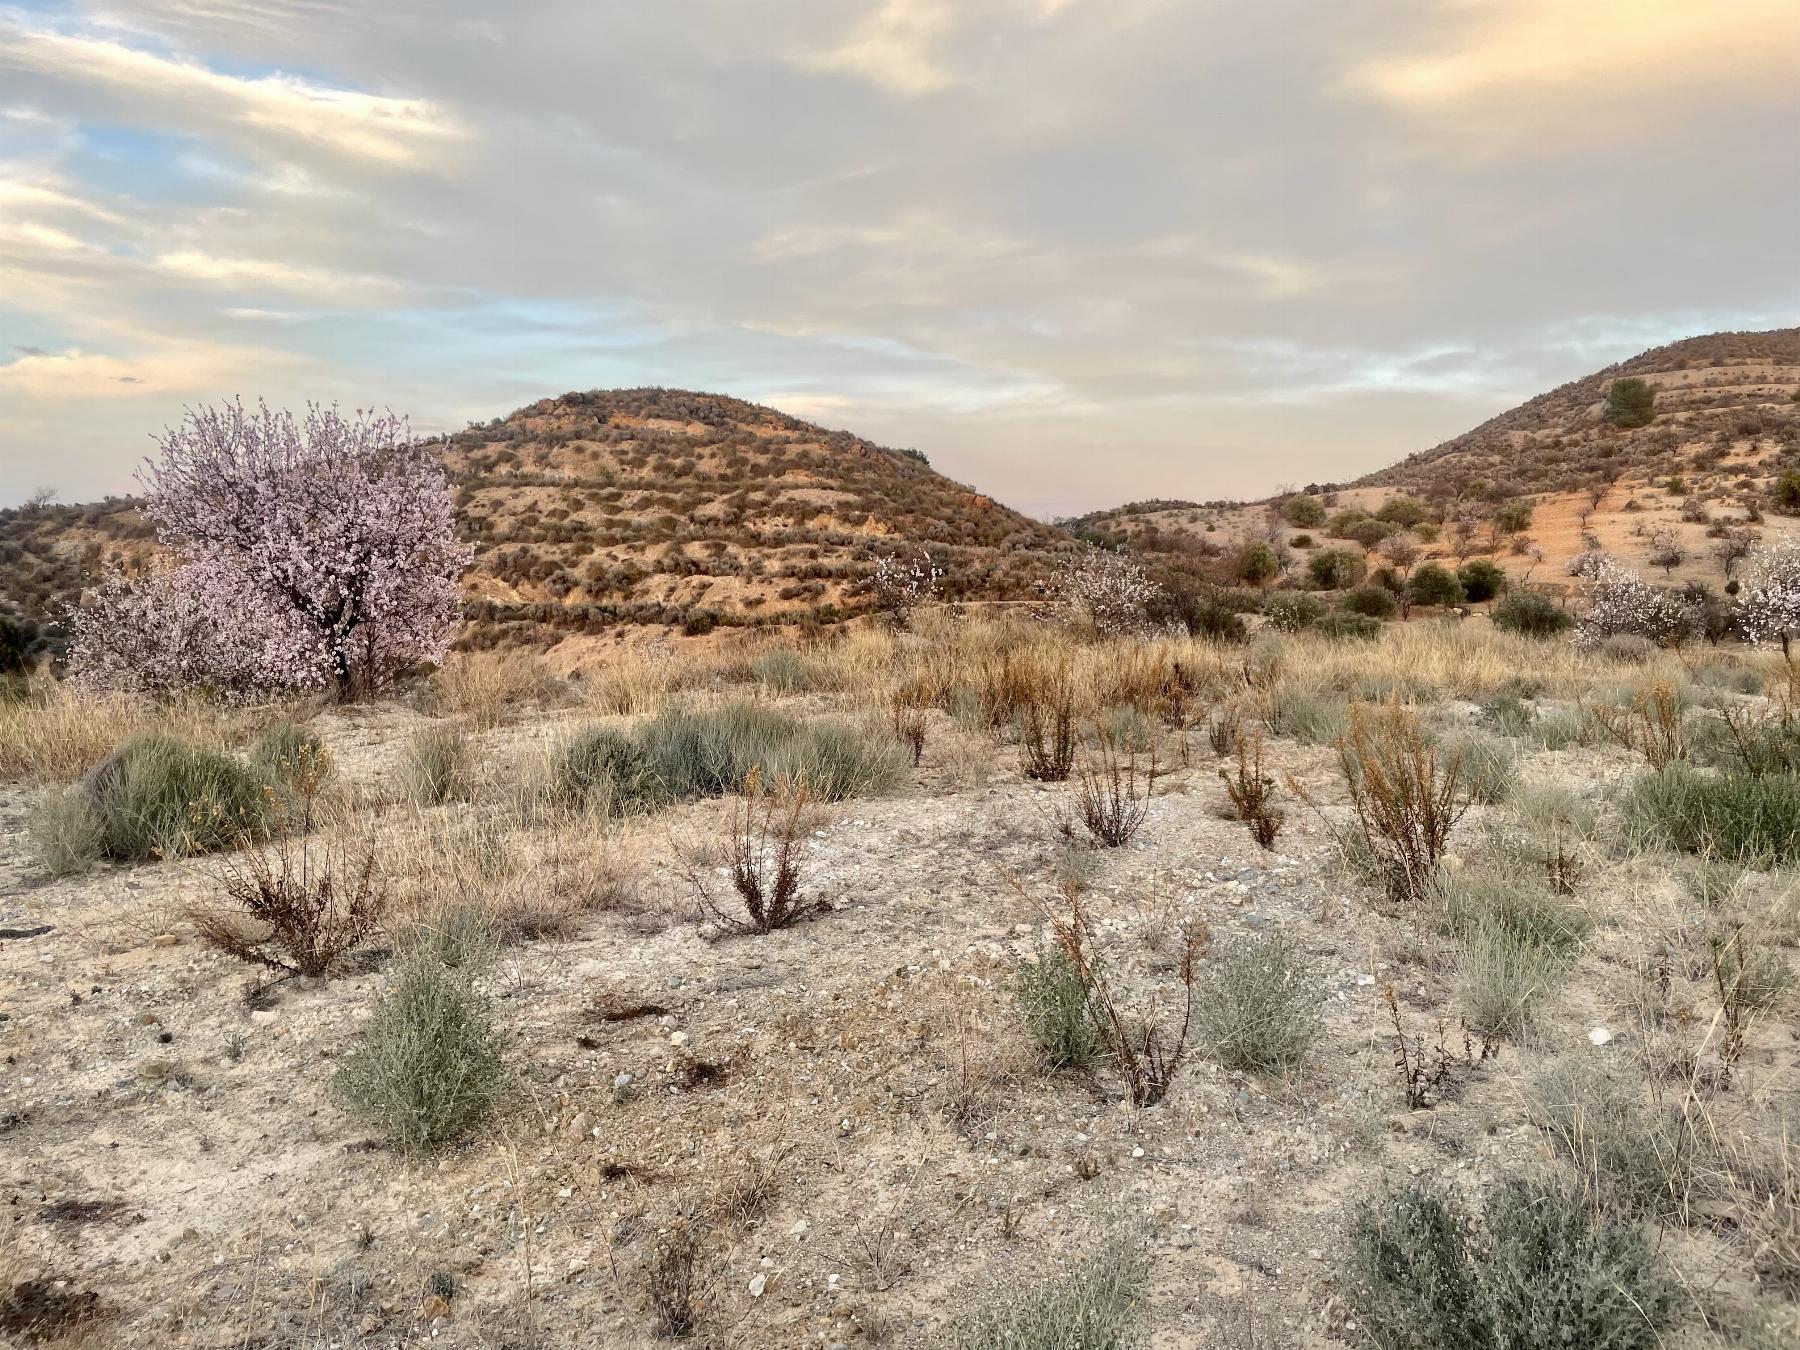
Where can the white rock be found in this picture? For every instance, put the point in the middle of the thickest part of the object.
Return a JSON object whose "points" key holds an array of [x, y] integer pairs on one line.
{"points": [[758, 1283], [1600, 1036]]}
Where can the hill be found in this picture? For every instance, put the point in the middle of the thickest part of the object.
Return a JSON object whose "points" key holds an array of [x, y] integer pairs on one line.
{"points": [[1724, 429], [654, 508]]}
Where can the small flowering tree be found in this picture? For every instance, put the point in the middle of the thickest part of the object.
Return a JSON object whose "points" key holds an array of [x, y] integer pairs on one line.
{"points": [[315, 553], [1620, 602], [1108, 590], [899, 585], [1768, 602]]}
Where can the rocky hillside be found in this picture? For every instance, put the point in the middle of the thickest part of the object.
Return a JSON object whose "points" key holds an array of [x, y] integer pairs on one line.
{"points": [[1722, 396], [615, 511], [658, 507]]}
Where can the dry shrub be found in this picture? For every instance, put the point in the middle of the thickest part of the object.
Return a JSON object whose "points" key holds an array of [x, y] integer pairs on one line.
{"points": [[1113, 794], [637, 681], [670, 1282], [1101, 1301], [1047, 742], [1252, 792], [1433, 1070], [302, 907], [1147, 1053], [907, 720], [1406, 802], [439, 766], [763, 842], [1652, 726], [487, 688]]}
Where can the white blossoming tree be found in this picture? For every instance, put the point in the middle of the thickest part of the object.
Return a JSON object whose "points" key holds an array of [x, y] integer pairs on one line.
{"points": [[1768, 607], [899, 585], [1107, 590], [1620, 603]]}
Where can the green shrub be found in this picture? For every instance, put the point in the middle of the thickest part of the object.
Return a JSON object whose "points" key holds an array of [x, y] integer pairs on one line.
{"points": [[157, 796], [1434, 584], [1099, 1303], [1480, 580], [1531, 613], [1053, 997], [782, 670], [65, 831], [428, 1067], [1345, 627], [1732, 679], [1292, 611], [598, 769], [1630, 402], [1336, 569], [1725, 815], [710, 753], [1303, 511], [439, 767], [1375, 601], [1403, 510], [1542, 1271], [1520, 904], [1258, 1009]]}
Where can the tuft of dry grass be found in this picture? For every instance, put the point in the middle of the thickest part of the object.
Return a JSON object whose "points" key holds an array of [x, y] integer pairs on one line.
{"points": [[489, 688]]}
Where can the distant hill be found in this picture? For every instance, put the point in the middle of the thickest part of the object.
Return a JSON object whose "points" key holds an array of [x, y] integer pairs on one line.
{"points": [[639, 508], [1716, 396], [1725, 428]]}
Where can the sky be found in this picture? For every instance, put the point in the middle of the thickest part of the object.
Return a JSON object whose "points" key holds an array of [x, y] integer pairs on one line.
{"points": [[1076, 251]]}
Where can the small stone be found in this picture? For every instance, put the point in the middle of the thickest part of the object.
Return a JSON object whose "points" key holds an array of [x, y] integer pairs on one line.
{"points": [[170, 940], [1600, 1036], [758, 1283]]}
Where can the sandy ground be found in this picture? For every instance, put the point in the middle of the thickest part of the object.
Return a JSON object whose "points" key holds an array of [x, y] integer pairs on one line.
{"points": [[168, 1142]]}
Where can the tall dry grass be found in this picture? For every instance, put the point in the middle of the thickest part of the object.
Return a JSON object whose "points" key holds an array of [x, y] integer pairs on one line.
{"points": [[56, 734]]}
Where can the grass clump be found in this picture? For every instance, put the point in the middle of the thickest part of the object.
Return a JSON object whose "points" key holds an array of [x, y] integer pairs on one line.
{"points": [[1259, 1006], [782, 671], [713, 752], [1641, 1157], [1490, 765], [1053, 998], [428, 1067], [1100, 1302], [1542, 1270], [1733, 816], [598, 769], [157, 796], [1306, 715], [439, 767], [287, 752], [65, 831], [1503, 976]]}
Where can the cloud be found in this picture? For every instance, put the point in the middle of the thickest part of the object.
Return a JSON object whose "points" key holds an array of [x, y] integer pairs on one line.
{"points": [[1073, 251], [274, 108]]}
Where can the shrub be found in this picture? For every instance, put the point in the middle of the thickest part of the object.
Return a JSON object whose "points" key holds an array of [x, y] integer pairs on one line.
{"points": [[1542, 1271], [1502, 977], [1405, 798], [1403, 510], [1252, 792], [603, 770], [438, 767], [1047, 740], [1733, 816], [1113, 795], [764, 845], [1531, 613], [1435, 584], [298, 913], [1099, 1303], [1520, 905], [1303, 511], [427, 1068], [160, 797], [1342, 627], [1309, 716], [1636, 1157], [1480, 580], [1255, 562], [1053, 997], [1292, 611], [1630, 402], [782, 670], [1376, 602], [1336, 569], [1259, 1006], [713, 752]]}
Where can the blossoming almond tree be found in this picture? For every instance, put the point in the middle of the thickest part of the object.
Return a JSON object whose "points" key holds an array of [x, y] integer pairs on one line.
{"points": [[322, 548], [1768, 607]]}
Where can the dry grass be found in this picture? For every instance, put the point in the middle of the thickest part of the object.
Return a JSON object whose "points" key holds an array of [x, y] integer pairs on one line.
{"points": [[56, 734], [488, 689]]}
